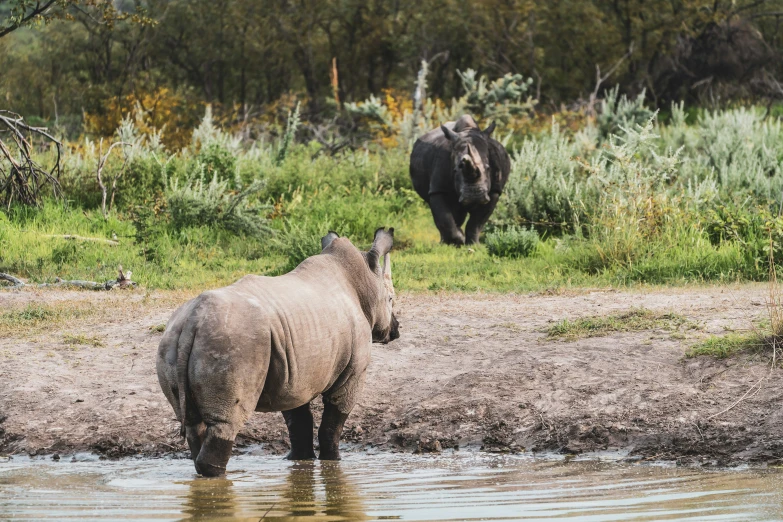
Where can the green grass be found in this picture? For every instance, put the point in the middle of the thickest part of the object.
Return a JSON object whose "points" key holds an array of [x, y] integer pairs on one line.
{"points": [[724, 346], [632, 321], [203, 257]]}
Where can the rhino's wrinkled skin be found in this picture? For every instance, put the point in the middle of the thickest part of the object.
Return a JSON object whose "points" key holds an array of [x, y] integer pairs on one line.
{"points": [[459, 170], [275, 344]]}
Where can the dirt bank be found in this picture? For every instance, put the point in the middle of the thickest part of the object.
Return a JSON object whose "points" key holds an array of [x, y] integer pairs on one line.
{"points": [[469, 372]]}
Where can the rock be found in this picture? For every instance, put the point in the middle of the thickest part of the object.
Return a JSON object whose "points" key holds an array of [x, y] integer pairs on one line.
{"points": [[429, 445]]}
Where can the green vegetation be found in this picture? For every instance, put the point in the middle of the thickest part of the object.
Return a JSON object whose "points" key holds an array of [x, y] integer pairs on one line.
{"points": [[631, 321], [724, 346], [511, 242], [158, 328], [657, 204], [103, 57]]}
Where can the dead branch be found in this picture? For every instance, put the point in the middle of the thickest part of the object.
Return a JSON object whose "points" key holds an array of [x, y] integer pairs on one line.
{"points": [[102, 163], [123, 281], [74, 237], [17, 283], [21, 177], [599, 80]]}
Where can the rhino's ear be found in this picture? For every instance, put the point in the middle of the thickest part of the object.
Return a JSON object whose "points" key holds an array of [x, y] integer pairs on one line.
{"points": [[327, 239], [387, 267], [450, 134], [488, 131], [383, 242]]}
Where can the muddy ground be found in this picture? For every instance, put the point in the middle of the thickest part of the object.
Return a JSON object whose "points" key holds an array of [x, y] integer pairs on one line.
{"points": [[469, 372]]}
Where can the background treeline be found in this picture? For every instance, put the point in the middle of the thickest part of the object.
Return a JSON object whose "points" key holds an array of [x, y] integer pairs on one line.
{"points": [[242, 55]]}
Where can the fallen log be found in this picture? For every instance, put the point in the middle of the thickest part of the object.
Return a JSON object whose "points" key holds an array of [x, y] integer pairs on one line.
{"points": [[15, 283], [74, 237], [123, 281]]}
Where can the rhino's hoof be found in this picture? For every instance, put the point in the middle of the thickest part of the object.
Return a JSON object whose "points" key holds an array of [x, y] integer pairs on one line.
{"points": [[210, 470], [329, 456], [300, 455]]}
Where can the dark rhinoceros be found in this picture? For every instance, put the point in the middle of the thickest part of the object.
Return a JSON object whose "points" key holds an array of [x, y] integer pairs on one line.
{"points": [[275, 344], [459, 170]]}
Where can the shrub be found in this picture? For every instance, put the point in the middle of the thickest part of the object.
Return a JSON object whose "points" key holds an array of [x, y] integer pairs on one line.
{"points": [[512, 242], [195, 203], [290, 132], [298, 241], [546, 185], [619, 113], [500, 99]]}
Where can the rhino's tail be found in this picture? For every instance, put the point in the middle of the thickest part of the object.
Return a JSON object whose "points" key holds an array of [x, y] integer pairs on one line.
{"points": [[184, 347]]}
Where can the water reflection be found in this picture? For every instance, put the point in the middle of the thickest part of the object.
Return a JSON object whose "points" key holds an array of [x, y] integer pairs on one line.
{"points": [[343, 497], [213, 498], [311, 489], [374, 487]]}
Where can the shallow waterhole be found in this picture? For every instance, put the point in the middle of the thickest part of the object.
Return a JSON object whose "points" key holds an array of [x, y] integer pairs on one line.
{"points": [[384, 487]]}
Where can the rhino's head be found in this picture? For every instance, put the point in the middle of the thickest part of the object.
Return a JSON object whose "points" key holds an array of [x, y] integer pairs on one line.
{"points": [[470, 163], [385, 327]]}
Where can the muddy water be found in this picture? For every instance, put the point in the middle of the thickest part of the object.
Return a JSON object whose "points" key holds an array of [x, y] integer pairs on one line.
{"points": [[384, 487]]}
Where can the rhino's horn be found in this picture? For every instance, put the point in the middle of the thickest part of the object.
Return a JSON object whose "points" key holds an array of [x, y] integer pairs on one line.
{"points": [[450, 134], [488, 131], [383, 242], [327, 239]]}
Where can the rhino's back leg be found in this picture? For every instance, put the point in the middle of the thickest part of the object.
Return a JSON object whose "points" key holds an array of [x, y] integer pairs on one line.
{"points": [[340, 399], [329, 432], [226, 378], [300, 431]]}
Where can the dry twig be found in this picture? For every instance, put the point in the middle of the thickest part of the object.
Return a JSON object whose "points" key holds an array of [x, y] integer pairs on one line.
{"points": [[102, 159], [599, 80]]}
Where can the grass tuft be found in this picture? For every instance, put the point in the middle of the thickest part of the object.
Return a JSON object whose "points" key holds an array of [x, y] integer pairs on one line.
{"points": [[84, 340], [634, 320], [34, 316], [724, 346]]}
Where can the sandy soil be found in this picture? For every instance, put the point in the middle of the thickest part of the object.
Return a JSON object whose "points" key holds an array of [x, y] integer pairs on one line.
{"points": [[469, 372]]}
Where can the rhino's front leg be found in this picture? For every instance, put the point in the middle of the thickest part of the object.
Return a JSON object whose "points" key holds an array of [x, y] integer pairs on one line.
{"points": [[478, 218], [300, 432], [330, 431], [446, 220]]}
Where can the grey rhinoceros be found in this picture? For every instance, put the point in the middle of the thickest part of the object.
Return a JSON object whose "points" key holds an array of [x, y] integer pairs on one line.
{"points": [[459, 170], [276, 343]]}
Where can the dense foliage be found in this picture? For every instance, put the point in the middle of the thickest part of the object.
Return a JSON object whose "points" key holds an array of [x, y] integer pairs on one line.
{"points": [[169, 56], [651, 202]]}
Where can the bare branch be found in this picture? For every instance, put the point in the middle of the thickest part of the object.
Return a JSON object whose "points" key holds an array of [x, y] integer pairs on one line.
{"points": [[599, 79], [101, 163], [25, 178], [37, 10]]}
